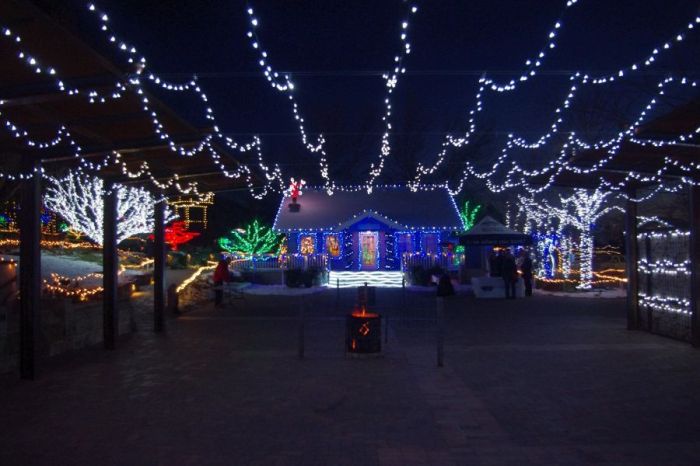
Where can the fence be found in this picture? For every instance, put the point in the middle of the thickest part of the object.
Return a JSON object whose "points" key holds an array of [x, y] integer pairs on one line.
{"points": [[446, 261], [664, 282], [283, 262]]}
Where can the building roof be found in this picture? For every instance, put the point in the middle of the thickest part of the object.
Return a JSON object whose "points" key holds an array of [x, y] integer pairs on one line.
{"points": [[489, 231], [398, 207]]}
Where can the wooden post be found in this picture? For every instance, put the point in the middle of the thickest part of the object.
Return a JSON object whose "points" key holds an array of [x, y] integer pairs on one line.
{"points": [[631, 259], [695, 265], [386, 328], [649, 285], [159, 266], [440, 330], [301, 328], [110, 263], [30, 272], [337, 293]]}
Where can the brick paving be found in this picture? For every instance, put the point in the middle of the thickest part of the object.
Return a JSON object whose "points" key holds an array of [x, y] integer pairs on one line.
{"points": [[545, 380]]}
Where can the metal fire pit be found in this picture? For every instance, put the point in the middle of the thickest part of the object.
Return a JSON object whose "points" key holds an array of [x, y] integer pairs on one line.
{"points": [[364, 332]]}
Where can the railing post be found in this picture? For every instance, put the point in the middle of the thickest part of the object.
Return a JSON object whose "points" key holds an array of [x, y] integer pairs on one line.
{"points": [[440, 330], [301, 328], [159, 266], [386, 328], [632, 257], [30, 271], [110, 264]]}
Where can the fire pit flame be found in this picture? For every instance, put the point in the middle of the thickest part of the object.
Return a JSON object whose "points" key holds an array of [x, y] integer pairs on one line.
{"points": [[362, 312], [364, 331]]}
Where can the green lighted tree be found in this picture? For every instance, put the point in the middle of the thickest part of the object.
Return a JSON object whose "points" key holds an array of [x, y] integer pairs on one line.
{"points": [[468, 215], [255, 240]]}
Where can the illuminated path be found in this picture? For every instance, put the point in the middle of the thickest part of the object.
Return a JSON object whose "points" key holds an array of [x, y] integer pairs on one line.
{"points": [[383, 279]]}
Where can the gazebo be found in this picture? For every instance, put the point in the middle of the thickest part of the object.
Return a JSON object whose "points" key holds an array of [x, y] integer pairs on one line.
{"points": [[489, 232]]}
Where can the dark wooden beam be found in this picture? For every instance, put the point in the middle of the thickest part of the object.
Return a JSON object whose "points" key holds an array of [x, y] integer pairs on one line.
{"points": [[48, 91], [124, 147], [185, 176], [30, 272], [159, 267], [110, 263], [695, 265], [631, 259]]}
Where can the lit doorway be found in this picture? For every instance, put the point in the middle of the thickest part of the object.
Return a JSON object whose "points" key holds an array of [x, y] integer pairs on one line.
{"points": [[369, 250]]}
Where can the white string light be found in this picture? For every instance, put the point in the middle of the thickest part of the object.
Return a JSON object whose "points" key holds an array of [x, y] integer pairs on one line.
{"points": [[516, 175], [485, 84], [79, 199]]}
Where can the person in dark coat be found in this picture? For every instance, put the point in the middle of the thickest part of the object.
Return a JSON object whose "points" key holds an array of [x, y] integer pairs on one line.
{"points": [[509, 272], [445, 287], [492, 264], [498, 265], [221, 275], [526, 269]]}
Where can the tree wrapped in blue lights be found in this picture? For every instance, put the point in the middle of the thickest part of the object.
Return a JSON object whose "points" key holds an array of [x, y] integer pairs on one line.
{"points": [[548, 252]]}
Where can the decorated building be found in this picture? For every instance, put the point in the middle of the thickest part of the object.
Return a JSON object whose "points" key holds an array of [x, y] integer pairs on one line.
{"points": [[368, 232]]}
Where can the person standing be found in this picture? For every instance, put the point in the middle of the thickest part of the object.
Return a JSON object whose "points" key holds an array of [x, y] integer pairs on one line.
{"points": [[509, 272], [221, 275], [498, 261], [492, 264], [526, 269]]}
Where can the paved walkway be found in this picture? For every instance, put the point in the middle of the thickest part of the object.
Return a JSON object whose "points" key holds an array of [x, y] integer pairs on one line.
{"points": [[545, 380]]}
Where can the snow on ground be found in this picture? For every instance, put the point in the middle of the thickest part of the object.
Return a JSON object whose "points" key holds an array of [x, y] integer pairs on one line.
{"points": [[611, 293], [459, 289], [281, 290], [68, 266]]}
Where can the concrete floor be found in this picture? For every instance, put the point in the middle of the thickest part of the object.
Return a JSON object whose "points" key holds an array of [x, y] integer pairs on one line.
{"points": [[543, 380]]}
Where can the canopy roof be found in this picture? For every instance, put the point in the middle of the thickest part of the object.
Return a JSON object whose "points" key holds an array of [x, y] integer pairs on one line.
{"points": [[398, 207], [642, 159], [491, 232], [34, 102]]}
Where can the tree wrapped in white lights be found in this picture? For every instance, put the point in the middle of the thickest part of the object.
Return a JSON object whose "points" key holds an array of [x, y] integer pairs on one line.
{"points": [[584, 209], [541, 221], [78, 198], [580, 211]]}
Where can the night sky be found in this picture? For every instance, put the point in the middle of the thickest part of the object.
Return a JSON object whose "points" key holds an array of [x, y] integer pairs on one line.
{"points": [[336, 52]]}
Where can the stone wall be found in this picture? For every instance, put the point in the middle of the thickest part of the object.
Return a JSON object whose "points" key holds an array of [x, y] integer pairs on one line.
{"points": [[65, 326], [197, 292]]}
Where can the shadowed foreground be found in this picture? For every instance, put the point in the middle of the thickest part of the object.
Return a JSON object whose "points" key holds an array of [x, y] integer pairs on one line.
{"points": [[543, 380]]}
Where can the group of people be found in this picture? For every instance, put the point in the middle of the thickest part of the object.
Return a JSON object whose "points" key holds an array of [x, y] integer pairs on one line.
{"points": [[505, 265]]}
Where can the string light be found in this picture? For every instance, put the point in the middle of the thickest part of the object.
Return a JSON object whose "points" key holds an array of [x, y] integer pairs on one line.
{"points": [[485, 83], [354, 279], [580, 210], [285, 85], [79, 199], [189, 280], [561, 163], [678, 272], [134, 83], [665, 303], [185, 204]]}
